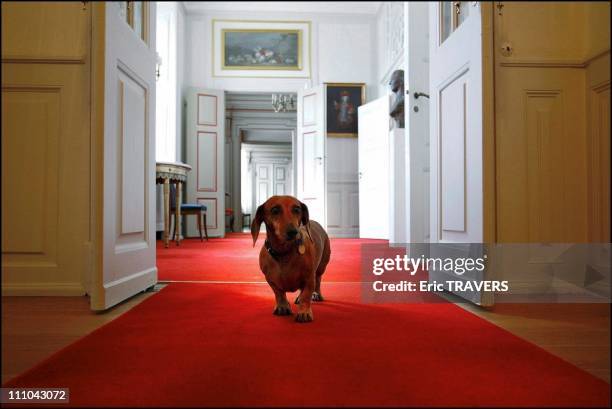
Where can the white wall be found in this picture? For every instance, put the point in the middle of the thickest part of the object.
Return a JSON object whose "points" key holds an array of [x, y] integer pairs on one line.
{"points": [[181, 81], [389, 44], [177, 12], [342, 48]]}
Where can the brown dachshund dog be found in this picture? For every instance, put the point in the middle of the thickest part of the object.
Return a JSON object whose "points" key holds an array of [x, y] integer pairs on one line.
{"points": [[294, 255]]}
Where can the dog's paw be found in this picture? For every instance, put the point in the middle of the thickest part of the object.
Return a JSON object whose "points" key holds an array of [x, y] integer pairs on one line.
{"points": [[317, 296], [304, 316], [282, 310]]}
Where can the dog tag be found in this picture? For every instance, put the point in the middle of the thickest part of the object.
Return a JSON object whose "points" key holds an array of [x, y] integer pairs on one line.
{"points": [[301, 249]]}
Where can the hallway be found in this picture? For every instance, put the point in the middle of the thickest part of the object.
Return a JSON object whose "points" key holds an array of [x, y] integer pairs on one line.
{"points": [[216, 343]]}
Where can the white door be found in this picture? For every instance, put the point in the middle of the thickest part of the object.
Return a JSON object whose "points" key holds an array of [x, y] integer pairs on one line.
{"points": [[128, 210], [205, 153], [310, 152], [271, 179], [282, 185], [456, 39], [373, 148]]}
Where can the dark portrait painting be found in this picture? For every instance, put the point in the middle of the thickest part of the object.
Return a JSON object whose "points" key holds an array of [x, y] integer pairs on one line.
{"points": [[342, 103]]}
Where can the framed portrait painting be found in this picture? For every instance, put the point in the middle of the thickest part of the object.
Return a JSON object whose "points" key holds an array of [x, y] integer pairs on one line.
{"points": [[342, 101], [249, 48]]}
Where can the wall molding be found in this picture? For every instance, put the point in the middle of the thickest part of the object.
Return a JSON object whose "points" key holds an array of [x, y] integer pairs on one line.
{"points": [[544, 63], [212, 188], [208, 211], [391, 18], [43, 60]]}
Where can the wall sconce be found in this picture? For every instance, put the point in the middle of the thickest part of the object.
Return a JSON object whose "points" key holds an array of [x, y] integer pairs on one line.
{"points": [[282, 102]]}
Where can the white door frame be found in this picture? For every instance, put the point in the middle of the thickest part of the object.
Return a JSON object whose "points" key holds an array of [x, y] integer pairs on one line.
{"points": [[417, 137]]}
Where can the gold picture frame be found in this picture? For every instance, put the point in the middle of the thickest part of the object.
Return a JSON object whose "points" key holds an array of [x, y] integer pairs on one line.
{"points": [[297, 32], [342, 108]]}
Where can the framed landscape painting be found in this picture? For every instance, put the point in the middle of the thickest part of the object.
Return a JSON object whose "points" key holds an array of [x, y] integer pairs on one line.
{"points": [[261, 49], [342, 101]]}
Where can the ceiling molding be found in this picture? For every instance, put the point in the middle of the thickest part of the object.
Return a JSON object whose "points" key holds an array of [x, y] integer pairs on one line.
{"points": [[369, 8]]}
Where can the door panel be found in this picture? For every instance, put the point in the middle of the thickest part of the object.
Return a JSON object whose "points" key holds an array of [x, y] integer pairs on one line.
{"points": [[311, 152], [46, 243], [133, 113], [205, 148], [281, 180], [541, 166], [128, 211], [452, 155], [263, 182]]}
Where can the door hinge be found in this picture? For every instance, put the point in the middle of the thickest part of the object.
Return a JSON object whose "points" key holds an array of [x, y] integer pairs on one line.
{"points": [[500, 7]]}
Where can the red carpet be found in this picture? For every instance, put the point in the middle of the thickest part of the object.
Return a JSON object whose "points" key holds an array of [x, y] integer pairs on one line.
{"points": [[220, 345], [194, 260]]}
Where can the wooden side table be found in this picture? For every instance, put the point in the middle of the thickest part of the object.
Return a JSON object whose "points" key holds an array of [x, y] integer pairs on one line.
{"points": [[166, 173]]}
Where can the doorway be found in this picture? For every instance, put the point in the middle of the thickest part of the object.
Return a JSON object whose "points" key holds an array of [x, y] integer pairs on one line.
{"points": [[259, 154]]}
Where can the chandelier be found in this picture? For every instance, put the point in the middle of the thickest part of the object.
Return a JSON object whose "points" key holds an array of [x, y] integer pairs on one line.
{"points": [[282, 102]]}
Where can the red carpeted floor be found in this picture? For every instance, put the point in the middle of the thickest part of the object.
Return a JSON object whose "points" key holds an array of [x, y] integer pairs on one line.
{"points": [[212, 344], [235, 259]]}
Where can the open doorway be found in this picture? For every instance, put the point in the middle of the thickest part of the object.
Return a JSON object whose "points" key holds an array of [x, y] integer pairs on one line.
{"points": [[259, 154]]}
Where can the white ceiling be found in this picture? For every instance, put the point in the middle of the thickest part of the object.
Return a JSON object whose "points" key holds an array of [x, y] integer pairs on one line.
{"points": [[324, 7]]}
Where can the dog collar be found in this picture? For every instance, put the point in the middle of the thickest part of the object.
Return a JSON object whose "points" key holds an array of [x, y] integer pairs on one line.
{"points": [[276, 254]]}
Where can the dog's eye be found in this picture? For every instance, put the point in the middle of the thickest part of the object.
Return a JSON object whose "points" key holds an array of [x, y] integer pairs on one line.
{"points": [[275, 211], [297, 210]]}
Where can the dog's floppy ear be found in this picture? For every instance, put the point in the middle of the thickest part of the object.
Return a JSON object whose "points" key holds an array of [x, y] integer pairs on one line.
{"points": [[306, 219], [257, 221], [305, 215]]}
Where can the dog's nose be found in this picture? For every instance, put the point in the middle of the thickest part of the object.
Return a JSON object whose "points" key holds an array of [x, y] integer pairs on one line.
{"points": [[291, 233]]}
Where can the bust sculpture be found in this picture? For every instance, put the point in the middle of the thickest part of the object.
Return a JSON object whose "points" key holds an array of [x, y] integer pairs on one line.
{"points": [[396, 83]]}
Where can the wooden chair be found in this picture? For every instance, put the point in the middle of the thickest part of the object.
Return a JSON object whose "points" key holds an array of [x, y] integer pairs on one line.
{"points": [[196, 209]]}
